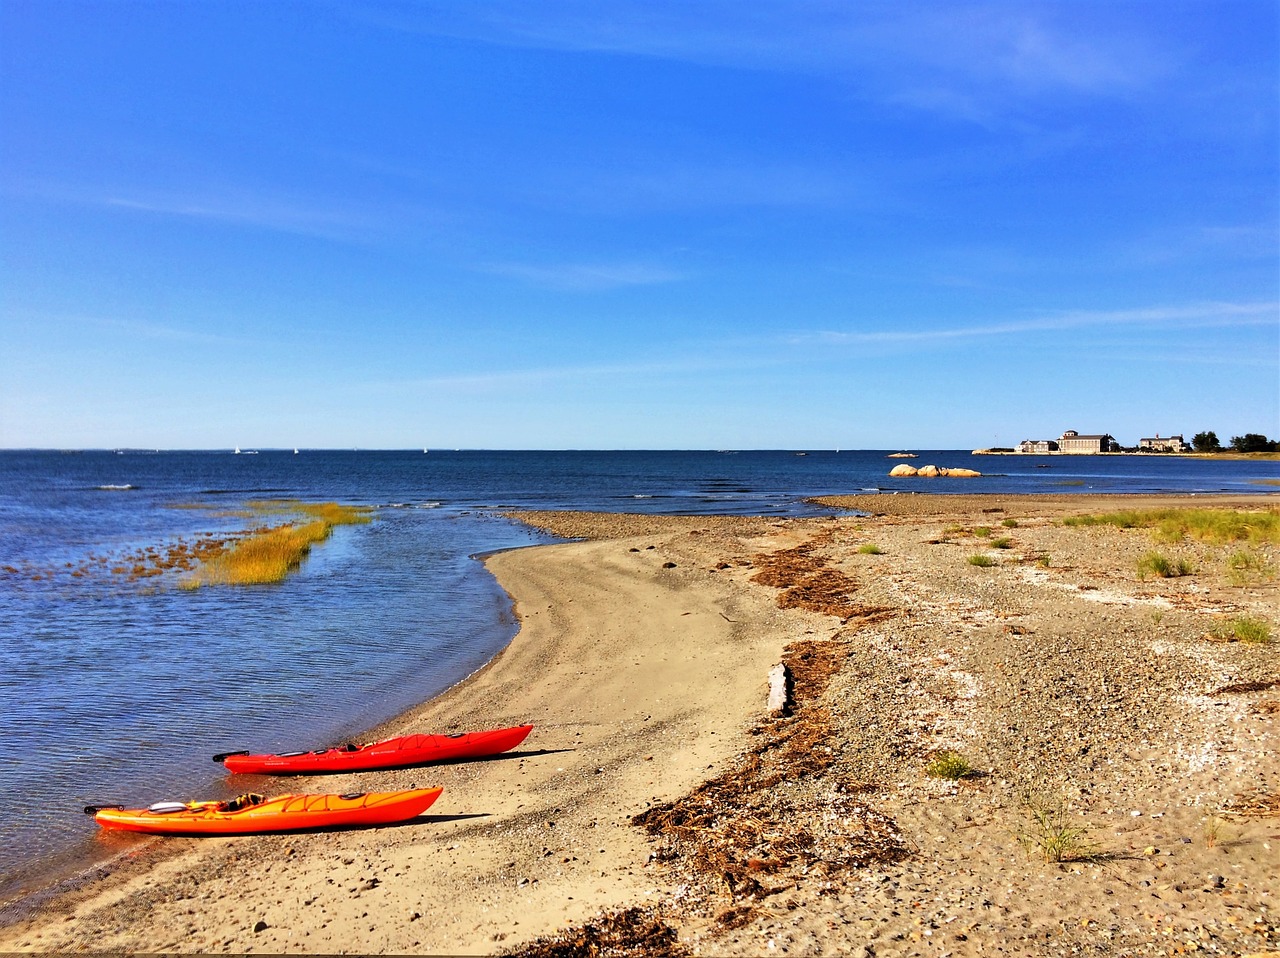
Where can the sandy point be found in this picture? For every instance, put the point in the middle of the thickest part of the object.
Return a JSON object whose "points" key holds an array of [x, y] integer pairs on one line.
{"points": [[659, 809]]}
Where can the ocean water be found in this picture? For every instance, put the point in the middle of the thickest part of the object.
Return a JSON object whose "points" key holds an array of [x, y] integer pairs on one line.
{"points": [[120, 690]]}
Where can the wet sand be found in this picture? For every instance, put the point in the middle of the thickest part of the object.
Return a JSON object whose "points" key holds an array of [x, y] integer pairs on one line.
{"points": [[642, 660]]}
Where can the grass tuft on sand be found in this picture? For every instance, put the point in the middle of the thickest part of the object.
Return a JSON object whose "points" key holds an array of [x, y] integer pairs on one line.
{"points": [[949, 765], [1244, 628], [1206, 525], [1162, 567], [1050, 832]]}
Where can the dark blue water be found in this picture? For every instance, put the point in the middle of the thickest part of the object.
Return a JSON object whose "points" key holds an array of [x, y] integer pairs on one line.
{"points": [[119, 690]]}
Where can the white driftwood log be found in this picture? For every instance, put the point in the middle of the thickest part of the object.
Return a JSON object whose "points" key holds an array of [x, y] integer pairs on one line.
{"points": [[779, 697]]}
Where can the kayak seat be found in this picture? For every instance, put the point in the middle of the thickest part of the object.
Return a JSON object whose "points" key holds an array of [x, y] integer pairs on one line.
{"points": [[243, 801]]}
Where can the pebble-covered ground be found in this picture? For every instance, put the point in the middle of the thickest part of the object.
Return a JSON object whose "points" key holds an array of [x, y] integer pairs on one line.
{"points": [[1123, 787]]}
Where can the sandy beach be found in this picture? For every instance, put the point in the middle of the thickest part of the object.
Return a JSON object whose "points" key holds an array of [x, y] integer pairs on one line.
{"points": [[1103, 718]]}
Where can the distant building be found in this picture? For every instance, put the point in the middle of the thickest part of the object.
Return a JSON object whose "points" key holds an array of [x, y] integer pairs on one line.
{"points": [[1167, 444], [1040, 446], [1073, 442]]}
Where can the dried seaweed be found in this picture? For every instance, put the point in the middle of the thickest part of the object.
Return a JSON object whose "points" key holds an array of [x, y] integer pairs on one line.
{"points": [[631, 933], [731, 834], [1257, 804], [808, 584], [787, 567], [1242, 687]]}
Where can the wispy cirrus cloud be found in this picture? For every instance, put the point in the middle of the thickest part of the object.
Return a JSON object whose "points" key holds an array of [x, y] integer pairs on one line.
{"points": [[640, 372], [256, 212], [85, 326], [232, 205], [585, 277], [938, 57], [1200, 315]]}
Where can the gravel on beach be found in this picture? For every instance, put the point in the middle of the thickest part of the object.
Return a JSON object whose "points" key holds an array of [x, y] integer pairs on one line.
{"points": [[1006, 735]]}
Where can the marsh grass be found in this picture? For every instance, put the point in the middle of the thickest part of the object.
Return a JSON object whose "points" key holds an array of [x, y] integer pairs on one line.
{"points": [[1220, 526], [949, 765], [1010, 523], [1160, 566], [268, 555], [1050, 832], [981, 560], [870, 549], [982, 531], [1003, 542]]}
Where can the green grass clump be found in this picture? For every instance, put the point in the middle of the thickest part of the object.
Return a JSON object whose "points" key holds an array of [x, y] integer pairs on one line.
{"points": [[1010, 523], [982, 531], [1049, 831], [949, 765], [1155, 564], [870, 549], [1004, 542], [982, 561], [1245, 628], [1245, 568], [1206, 525]]}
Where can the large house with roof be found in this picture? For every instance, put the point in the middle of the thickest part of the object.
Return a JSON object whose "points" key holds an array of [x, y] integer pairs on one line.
{"points": [[1072, 442], [1166, 444]]}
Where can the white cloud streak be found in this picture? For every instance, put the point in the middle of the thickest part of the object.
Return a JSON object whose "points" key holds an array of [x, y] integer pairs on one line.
{"points": [[585, 277], [938, 57], [236, 206], [1192, 316]]}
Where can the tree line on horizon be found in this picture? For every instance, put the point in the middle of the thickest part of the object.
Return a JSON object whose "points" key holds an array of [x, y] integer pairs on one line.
{"points": [[1250, 442]]}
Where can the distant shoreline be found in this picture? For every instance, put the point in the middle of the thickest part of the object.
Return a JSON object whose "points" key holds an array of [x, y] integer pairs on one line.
{"points": [[1260, 456]]}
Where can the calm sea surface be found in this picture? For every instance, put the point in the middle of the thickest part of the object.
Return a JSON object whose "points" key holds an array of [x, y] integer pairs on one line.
{"points": [[119, 690]]}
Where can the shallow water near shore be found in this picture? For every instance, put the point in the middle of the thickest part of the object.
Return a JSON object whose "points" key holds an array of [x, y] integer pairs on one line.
{"points": [[118, 690]]}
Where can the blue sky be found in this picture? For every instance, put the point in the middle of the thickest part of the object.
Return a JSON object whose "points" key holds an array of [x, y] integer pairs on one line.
{"points": [[605, 224]]}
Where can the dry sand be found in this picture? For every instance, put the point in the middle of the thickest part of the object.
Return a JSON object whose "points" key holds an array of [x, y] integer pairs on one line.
{"points": [[642, 660]]}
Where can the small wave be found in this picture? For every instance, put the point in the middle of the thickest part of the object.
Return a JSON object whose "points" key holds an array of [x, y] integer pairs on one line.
{"points": [[641, 495], [430, 505], [110, 487]]}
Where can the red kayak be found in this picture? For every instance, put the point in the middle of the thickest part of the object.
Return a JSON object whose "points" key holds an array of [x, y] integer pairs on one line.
{"points": [[393, 753]]}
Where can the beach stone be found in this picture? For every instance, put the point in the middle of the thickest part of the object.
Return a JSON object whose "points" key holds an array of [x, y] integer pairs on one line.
{"points": [[930, 471], [902, 469], [961, 473]]}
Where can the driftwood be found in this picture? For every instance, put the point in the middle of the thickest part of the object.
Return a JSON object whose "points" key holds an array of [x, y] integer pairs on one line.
{"points": [[779, 690]]}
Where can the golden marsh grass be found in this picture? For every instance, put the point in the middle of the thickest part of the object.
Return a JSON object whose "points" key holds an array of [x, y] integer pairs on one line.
{"points": [[268, 555]]}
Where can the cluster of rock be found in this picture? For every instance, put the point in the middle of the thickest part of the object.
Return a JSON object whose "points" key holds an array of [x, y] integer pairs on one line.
{"points": [[902, 469]]}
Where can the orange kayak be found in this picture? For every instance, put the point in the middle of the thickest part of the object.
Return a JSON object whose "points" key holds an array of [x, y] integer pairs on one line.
{"points": [[393, 753], [254, 813]]}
